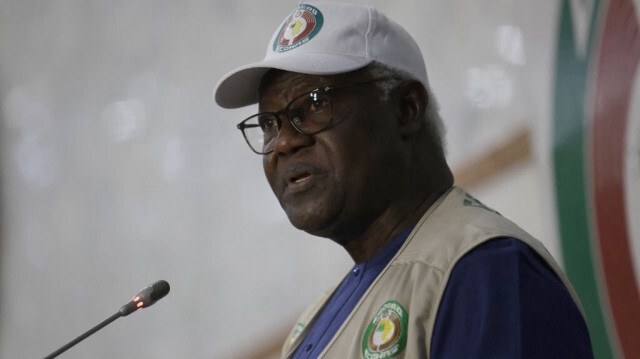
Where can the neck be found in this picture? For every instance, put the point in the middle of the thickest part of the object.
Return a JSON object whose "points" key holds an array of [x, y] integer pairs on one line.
{"points": [[391, 223]]}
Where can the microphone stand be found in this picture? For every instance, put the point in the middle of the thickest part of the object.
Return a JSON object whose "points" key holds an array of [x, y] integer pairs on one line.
{"points": [[84, 336], [145, 298]]}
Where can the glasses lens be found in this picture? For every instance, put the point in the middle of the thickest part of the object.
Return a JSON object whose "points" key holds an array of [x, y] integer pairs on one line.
{"points": [[260, 131], [311, 113]]}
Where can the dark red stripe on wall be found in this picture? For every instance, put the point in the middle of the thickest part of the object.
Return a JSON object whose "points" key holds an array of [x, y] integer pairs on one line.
{"points": [[618, 57]]}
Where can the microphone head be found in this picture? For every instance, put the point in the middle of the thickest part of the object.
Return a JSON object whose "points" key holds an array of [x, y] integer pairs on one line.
{"points": [[159, 290], [146, 297]]}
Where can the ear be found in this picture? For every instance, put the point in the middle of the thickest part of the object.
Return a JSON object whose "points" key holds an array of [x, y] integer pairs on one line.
{"points": [[412, 102]]}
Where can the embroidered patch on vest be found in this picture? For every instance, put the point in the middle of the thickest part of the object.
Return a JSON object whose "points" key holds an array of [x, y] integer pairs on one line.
{"points": [[386, 335], [470, 201], [295, 333], [300, 27]]}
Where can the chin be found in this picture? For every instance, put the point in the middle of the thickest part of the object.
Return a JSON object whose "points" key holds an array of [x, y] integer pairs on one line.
{"points": [[314, 226], [315, 223], [334, 227]]}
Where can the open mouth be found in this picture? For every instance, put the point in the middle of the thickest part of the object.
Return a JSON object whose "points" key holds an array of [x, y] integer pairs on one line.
{"points": [[300, 178]]}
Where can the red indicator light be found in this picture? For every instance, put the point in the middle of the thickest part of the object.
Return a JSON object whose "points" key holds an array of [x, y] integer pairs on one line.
{"points": [[140, 304]]}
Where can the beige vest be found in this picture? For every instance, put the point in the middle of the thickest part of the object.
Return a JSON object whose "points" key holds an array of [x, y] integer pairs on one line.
{"points": [[396, 315]]}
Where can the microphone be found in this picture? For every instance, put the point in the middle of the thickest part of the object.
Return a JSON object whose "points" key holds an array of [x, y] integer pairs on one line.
{"points": [[148, 296]]}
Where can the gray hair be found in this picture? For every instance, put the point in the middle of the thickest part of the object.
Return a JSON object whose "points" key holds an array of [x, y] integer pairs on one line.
{"points": [[395, 77]]}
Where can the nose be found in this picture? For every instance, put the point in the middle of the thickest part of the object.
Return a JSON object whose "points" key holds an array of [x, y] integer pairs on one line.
{"points": [[289, 140]]}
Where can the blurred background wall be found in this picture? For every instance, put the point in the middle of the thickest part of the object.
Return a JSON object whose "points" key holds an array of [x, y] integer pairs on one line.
{"points": [[117, 168]]}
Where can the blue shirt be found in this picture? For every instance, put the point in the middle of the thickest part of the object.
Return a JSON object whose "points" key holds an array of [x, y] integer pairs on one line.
{"points": [[501, 301], [345, 298]]}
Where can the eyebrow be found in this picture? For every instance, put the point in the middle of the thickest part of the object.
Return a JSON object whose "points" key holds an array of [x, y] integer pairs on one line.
{"points": [[297, 94]]}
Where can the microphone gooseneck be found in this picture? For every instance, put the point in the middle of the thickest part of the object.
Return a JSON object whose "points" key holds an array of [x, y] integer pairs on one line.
{"points": [[145, 298]]}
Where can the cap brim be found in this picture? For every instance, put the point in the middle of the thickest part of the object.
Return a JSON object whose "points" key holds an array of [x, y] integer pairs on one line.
{"points": [[239, 88]]}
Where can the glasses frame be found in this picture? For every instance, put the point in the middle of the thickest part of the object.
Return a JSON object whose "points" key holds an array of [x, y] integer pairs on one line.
{"points": [[286, 111]]}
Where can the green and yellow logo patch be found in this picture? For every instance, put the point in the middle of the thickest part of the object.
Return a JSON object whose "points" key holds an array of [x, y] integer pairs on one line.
{"points": [[386, 335], [299, 28], [295, 333]]}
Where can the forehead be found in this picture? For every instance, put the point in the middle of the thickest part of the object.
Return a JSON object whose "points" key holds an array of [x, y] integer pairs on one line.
{"points": [[282, 85]]}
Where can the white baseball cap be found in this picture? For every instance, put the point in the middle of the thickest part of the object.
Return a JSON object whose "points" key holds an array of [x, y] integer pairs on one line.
{"points": [[325, 39]]}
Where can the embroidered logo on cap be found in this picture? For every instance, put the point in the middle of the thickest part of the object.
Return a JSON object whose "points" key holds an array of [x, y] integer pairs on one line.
{"points": [[299, 28], [386, 335]]}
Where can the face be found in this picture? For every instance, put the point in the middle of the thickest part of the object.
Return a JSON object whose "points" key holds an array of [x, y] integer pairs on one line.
{"points": [[337, 182]]}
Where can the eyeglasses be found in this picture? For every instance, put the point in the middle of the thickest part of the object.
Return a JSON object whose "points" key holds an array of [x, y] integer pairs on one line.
{"points": [[308, 113]]}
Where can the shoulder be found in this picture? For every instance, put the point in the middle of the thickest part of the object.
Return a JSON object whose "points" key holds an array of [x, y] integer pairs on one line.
{"points": [[504, 292], [455, 225]]}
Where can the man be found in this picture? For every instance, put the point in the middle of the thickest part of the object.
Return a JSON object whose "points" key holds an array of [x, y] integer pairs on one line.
{"points": [[352, 147]]}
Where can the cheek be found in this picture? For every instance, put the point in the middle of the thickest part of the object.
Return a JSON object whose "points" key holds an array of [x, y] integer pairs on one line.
{"points": [[269, 171], [370, 162]]}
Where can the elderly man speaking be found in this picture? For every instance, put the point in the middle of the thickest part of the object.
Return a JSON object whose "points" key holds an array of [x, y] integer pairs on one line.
{"points": [[352, 146]]}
